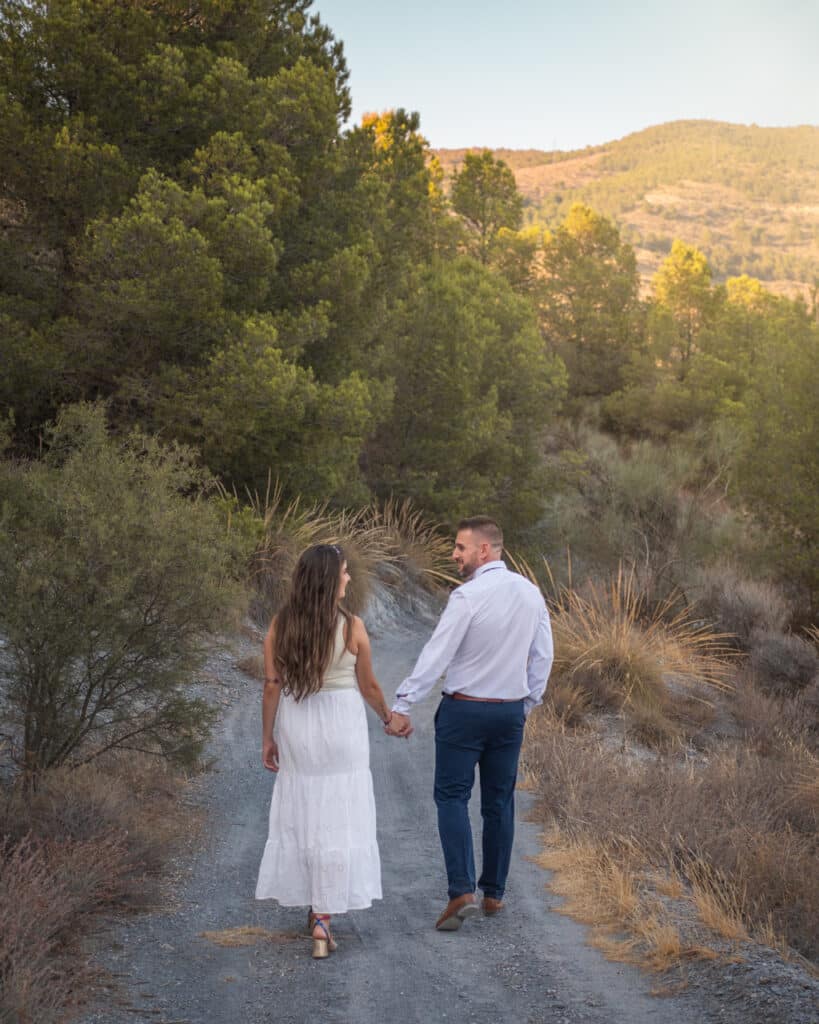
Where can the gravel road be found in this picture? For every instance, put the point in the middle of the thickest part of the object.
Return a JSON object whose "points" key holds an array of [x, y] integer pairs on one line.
{"points": [[529, 965]]}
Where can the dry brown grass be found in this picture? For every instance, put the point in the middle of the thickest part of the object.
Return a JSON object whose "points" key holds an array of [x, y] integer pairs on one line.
{"points": [[598, 889], [248, 935], [416, 542], [36, 934], [287, 528], [566, 702], [135, 796], [668, 883], [651, 726], [381, 542], [740, 827], [657, 667], [719, 905], [605, 640], [84, 842], [614, 890]]}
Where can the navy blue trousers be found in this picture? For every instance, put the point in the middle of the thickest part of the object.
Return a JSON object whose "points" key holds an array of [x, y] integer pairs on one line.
{"points": [[489, 735]]}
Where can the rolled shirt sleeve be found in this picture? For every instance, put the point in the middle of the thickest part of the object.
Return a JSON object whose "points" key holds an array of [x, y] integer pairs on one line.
{"points": [[437, 654], [539, 664]]}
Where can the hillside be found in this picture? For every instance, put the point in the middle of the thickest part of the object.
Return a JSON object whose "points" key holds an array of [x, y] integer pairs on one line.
{"points": [[747, 196]]}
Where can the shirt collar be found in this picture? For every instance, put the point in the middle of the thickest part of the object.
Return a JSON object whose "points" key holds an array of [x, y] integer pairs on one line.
{"points": [[487, 567]]}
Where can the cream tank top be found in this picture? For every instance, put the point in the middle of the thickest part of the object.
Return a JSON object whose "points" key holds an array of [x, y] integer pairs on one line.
{"points": [[340, 674]]}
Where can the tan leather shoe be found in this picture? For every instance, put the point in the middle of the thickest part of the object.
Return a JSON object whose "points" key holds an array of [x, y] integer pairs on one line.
{"points": [[457, 911], [492, 906]]}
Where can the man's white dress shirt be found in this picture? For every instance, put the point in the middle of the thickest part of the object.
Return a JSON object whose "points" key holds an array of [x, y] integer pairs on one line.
{"points": [[494, 640]]}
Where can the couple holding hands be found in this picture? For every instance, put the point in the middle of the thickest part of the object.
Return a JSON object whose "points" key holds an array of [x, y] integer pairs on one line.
{"points": [[493, 642]]}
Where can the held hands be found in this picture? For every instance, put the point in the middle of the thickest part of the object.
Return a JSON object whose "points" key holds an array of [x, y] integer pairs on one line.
{"points": [[270, 755], [398, 725]]}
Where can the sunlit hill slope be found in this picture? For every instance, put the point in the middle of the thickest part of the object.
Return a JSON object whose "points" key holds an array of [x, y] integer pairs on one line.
{"points": [[748, 197]]}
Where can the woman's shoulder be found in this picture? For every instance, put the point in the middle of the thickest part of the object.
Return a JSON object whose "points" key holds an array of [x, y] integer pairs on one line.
{"points": [[357, 633]]}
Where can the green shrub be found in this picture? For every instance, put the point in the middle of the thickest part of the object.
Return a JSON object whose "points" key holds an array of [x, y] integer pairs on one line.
{"points": [[657, 508], [114, 566]]}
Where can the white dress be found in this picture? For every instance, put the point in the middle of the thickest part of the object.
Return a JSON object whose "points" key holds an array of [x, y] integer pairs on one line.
{"points": [[321, 849]]}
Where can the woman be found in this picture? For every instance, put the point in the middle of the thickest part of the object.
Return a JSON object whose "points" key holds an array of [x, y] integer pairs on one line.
{"points": [[321, 850]]}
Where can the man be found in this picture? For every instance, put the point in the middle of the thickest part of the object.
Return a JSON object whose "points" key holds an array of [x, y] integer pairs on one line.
{"points": [[494, 642]]}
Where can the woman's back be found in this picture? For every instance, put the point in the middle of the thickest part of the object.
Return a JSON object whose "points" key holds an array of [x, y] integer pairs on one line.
{"points": [[340, 674]]}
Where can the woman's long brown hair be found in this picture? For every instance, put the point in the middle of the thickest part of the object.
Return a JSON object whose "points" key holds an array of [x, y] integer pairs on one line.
{"points": [[306, 625]]}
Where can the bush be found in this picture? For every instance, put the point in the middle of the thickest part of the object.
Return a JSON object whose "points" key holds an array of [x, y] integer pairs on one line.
{"points": [[48, 891], [772, 724], [658, 508], [114, 566], [783, 663], [737, 605]]}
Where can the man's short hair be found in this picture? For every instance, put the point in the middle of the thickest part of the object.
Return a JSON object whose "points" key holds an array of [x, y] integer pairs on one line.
{"points": [[486, 527]]}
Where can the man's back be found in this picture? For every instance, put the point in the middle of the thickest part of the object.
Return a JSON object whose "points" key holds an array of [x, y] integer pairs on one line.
{"points": [[505, 611]]}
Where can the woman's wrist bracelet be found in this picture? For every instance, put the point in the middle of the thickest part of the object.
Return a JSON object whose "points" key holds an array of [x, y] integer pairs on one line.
{"points": [[386, 720]]}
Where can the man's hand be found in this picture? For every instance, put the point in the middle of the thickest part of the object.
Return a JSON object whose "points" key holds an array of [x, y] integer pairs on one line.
{"points": [[270, 755], [398, 725]]}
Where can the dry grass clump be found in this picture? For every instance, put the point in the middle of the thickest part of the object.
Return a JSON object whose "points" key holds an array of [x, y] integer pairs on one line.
{"points": [[417, 543], [655, 667], [651, 726], [85, 841], [377, 541], [719, 905], [741, 827]]}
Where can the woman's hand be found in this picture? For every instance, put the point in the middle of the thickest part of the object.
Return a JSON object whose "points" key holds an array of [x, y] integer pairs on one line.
{"points": [[398, 725], [270, 755]]}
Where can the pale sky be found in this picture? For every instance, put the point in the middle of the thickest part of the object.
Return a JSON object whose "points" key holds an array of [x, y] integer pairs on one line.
{"points": [[565, 74]]}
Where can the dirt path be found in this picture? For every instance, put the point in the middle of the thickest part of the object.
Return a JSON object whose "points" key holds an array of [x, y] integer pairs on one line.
{"points": [[529, 965]]}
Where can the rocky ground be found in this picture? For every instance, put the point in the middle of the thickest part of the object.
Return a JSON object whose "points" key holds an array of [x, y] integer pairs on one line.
{"points": [[213, 955]]}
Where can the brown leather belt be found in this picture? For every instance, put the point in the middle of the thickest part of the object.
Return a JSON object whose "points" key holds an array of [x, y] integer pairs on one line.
{"points": [[484, 700]]}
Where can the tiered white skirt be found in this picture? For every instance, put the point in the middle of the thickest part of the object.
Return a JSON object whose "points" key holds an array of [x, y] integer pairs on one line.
{"points": [[321, 849]]}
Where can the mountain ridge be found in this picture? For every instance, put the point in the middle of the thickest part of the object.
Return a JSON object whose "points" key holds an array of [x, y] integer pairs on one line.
{"points": [[747, 196]]}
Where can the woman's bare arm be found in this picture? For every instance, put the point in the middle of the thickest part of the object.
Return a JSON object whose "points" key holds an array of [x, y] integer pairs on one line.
{"points": [[270, 701], [367, 683]]}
